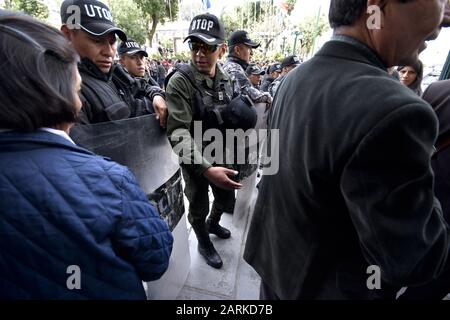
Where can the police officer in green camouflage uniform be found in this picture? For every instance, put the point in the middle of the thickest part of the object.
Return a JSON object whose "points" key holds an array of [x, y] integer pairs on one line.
{"points": [[203, 74]]}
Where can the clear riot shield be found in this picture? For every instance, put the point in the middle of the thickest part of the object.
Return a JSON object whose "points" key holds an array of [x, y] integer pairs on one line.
{"points": [[246, 196], [141, 145]]}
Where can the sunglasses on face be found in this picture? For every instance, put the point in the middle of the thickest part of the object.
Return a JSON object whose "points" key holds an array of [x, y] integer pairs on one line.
{"points": [[206, 48]]}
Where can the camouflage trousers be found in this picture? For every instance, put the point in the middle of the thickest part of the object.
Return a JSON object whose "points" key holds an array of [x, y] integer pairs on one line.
{"points": [[196, 190]]}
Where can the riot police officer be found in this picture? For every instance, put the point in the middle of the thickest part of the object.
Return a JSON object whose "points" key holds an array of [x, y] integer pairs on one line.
{"points": [[194, 93], [240, 50], [131, 72], [89, 26], [288, 64], [254, 74], [273, 72]]}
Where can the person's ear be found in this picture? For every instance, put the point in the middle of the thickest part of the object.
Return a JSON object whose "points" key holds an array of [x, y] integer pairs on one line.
{"points": [[66, 32], [236, 50], [223, 49]]}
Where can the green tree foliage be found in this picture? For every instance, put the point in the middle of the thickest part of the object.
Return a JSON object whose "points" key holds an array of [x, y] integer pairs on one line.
{"points": [[183, 56], [157, 11], [230, 23], [310, 29], [256, 12], [291, 5], [261, 19], [245, 17], [167, 44], [33, 8], [129, 18]]}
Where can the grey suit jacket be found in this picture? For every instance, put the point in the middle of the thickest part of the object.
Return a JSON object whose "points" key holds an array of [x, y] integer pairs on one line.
{"points": [[355, 185]]}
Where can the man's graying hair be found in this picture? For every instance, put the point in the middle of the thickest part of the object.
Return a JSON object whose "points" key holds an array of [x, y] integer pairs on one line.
{"points": [[345, 12]]}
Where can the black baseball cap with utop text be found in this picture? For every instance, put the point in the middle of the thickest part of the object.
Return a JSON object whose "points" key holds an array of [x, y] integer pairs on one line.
{"points": [[206, 28], [131, 47], [90, 16]]}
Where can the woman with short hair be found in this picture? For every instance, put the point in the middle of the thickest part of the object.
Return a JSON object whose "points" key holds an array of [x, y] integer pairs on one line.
{"points": [[73, 225]]}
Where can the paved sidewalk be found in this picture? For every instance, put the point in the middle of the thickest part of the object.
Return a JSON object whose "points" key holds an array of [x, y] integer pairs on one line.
{"points": [[236, 280]]}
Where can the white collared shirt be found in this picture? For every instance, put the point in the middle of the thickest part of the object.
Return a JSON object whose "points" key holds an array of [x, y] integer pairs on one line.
{"points": [[60, 133]]}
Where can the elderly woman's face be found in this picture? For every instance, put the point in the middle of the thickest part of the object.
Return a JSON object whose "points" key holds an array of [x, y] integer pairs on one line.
{"points": [[407, 75]]}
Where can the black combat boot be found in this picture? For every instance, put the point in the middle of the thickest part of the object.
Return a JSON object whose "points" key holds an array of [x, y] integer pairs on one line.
{"points": [[206, 248], [214, 227]]}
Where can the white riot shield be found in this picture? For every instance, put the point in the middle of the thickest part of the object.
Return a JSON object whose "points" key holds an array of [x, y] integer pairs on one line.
{"points": [[246, 197], [141, 145]]}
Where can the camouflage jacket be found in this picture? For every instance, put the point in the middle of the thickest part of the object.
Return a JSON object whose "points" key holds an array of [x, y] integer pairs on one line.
{"points": [[273, 87], [181, 100], [235, 69]]}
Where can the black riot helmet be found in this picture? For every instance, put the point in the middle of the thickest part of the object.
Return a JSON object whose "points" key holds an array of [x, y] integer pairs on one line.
{"points": [[240, 114]]}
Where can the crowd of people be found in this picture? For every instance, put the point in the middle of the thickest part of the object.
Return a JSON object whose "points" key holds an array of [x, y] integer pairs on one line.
{"points": [[261, 74], [363, 180]]}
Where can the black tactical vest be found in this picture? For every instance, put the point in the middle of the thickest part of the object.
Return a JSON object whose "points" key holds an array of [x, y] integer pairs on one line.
{"points": [[105, 101], [209, 104]]}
